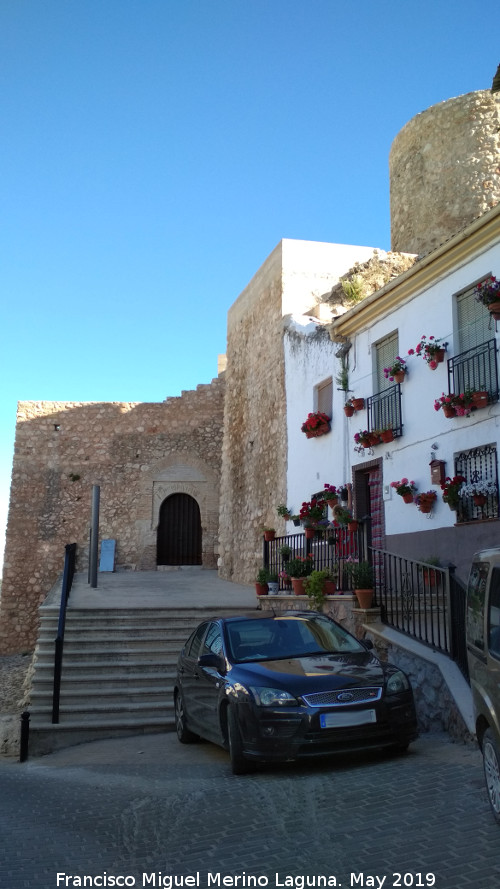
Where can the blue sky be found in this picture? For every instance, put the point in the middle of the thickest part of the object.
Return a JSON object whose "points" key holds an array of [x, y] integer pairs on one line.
{"points": [[154, 152]]}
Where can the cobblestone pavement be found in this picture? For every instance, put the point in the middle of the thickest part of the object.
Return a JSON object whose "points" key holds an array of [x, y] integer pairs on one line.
{"points": [[148, 809]]}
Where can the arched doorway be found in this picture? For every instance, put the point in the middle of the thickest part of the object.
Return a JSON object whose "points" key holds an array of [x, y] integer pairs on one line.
{"points": [[179, 531]]}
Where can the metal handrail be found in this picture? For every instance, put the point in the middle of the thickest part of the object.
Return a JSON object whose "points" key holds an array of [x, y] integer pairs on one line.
{"points": [[67, 581]]}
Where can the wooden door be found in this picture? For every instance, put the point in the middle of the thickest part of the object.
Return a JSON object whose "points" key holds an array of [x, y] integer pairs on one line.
{"points": [[179, 531]]}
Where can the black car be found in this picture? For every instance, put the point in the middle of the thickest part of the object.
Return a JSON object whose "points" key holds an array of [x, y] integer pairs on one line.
{"points": [[272, 688]]}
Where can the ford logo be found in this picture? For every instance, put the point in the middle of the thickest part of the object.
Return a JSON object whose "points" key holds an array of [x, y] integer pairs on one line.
{"points": [[345, 697]]}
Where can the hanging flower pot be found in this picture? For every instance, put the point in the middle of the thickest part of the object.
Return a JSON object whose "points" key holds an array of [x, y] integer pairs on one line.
{"points": [[309, 533], [479, 499], [358, 403], [348, 410], [387, 435], [352, 526], [480, 399], [408, 497], [399, 376], [269, 534], [317, 424], [494, 309], [449, 411]]}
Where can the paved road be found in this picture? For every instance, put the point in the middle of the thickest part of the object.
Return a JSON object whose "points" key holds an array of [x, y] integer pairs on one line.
{"points": [[149, 806]]}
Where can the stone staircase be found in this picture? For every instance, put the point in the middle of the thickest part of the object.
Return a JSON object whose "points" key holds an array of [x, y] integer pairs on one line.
{"points": [[117, 676]]}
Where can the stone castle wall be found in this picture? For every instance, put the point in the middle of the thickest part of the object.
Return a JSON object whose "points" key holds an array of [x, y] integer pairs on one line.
{"points": [[137, 453], [254, 452], [444, 170]]}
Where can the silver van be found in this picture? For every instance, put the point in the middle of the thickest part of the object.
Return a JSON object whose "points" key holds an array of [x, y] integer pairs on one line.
{"points": [[483, 653]]}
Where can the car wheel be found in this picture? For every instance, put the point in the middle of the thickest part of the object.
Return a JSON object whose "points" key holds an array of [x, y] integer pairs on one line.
{"points": [[184, 735], [491, 765], [239, 765]]}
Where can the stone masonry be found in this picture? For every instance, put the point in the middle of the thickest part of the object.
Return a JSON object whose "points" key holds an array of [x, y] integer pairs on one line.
{"points": [[139, 454], [444, 170]]}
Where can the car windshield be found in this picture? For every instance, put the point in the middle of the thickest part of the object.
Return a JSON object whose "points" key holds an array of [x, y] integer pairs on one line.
{"points": [[287, 636]]}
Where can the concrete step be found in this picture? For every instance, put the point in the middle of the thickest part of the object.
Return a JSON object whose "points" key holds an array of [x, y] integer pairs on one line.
{"points": [[75, 679], [46, 737], [105, 712], [72, 634]]}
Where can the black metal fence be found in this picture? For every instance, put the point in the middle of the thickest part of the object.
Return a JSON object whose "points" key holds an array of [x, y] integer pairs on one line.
{"points": [[67, 581], [328, 550], [384, 410], [475, 370], [423, 601]]}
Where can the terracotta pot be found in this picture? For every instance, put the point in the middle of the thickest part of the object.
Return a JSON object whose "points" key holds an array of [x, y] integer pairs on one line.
{"points": [[408, 498], [479, 499], [494, 309], [358, 404], [399, 376], [330, 588], [321, 430], [261, 589], [429, 576], [449, 411], [374, 439], [269, 535], [387, 435], [425, 505], [364, 597], [438, 357], [352, 526], [480, 399], [298, 586], [309, 532], [348, 410]]}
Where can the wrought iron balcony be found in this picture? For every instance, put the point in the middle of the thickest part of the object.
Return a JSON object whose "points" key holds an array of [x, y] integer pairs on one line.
{"points": [[475, 370], [384, 410]]}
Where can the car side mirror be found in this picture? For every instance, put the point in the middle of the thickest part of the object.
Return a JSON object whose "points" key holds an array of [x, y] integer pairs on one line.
{"points": [[212, 660]]}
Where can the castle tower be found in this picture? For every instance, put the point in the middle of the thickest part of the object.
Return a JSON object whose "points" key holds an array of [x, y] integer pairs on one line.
{"points": [[444, 168]]}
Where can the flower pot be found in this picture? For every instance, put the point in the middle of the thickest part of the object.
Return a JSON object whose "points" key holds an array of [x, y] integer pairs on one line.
{"points": [[320, 430], [330, 588], [494, 309], [269, 535], [479, 499], [309, 532], [298, 586], [348, 410], [352, 526], [480, 399], [261, 589], [449, 411], [399, 376], [358, 404], [425, 505], [273, 588], [296, 522], [374, 440], [387, 435], [438, 357], [364, 597], [408, 497]]}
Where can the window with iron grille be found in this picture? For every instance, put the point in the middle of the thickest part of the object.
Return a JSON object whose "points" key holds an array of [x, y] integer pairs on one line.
{"points": [[474, 366], [480, 470], [384, 408]]}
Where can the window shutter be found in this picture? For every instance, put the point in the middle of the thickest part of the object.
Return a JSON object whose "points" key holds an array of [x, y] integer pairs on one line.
{"points": [[324, 396], [387, 352], [473, 320]]}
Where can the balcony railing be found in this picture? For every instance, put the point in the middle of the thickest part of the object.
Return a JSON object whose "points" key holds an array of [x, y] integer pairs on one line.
{"points": [[475, 370], [384, 410]]}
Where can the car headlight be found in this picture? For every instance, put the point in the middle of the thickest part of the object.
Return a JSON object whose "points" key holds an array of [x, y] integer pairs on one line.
{"points": [[397, 683], [272, 697]]}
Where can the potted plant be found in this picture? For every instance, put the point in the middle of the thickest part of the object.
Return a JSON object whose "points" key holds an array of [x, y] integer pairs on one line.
{"points": [[405, 489], [362, 577], [330, 495], [431, 350], [341, 516], [314, 588], [487, 292], [479, 491], [299, 568], [425, 501], [284, 512], [261, 582], [446, 403], [296, 520], [349, 407], [285, 577], [451, 490], [285, 552], [396, 371], [311, 512], [385, 434], [358, 403], [316, 424], [269, 533], [366, 439], [273, 583]]}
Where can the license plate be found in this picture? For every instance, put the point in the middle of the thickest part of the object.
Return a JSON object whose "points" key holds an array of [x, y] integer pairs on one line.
{"points": [[338, 720]]}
